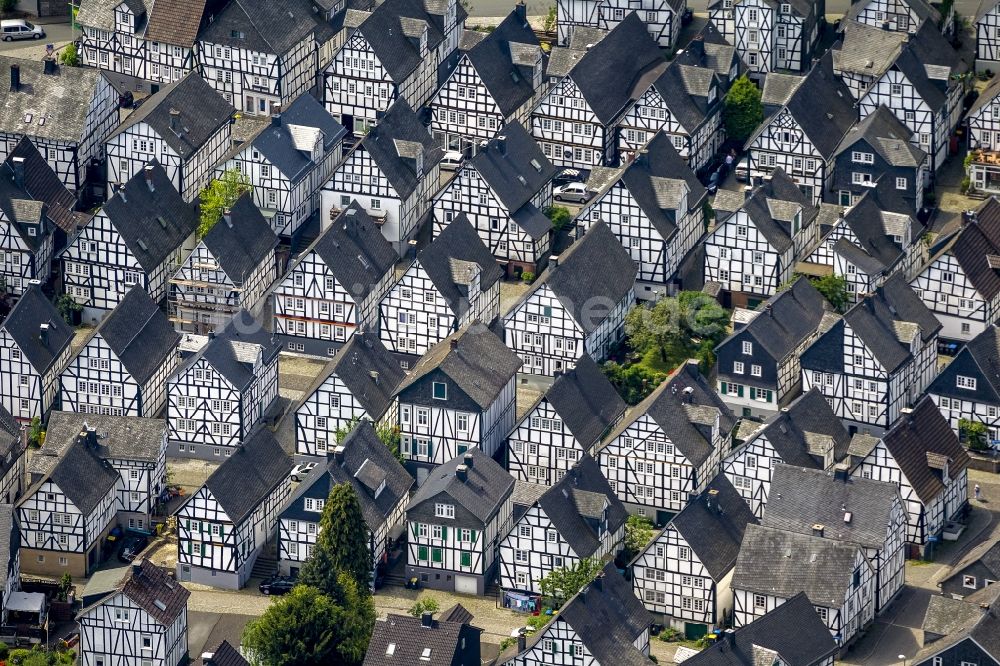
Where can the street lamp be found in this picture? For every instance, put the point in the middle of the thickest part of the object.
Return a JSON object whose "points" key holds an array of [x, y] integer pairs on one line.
{"points": [[902, 659]]}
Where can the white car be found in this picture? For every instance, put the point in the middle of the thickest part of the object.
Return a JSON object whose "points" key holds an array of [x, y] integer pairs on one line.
{"points": [[451, 160], [299, 471], [571, 192], [20, 29]]}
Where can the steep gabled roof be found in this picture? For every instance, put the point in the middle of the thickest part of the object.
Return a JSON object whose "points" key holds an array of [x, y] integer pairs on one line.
{"points": [[501, 60], [711, 50], [485, 489], [974, 243], [771, 206], [139, 334], [152, 218], [234, 351], [241, 241], [251, 25], [923, 9], [980, 357], [586, 401], [175, 21], [83, 476], [451, 256], [392, 145], [982, 628], [931, 65], [887, 136], [42, 184], [393, 30], [870, 222], [918, 441], [684, 89], [866, 50], [249, 475], [133, 438], [803, 431], [355, 251], [24, 324], [413, 643]]}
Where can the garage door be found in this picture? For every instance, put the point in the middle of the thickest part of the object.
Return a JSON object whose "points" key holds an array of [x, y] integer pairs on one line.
{"points": [[466, 585]]}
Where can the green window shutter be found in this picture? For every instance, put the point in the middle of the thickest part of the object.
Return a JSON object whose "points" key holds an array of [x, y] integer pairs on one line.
{"points": [[444, 532], [474, 533], [189, 547], [739, 390], [723, 388], [770, 395], [222, 531], [430, 448], [422, 553], [466, 558], [462, 448], [415, 528], [436, 555]]}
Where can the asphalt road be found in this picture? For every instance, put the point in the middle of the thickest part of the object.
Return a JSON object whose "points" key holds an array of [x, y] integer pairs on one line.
{"points": [[55, 33]]}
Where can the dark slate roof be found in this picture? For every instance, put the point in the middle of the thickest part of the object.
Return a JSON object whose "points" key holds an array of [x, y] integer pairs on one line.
{"points": [[392, 31], [985, 555], [793, 630], [923, 9], [486, 488], [22, 212], [945, 616], [788, 318], [854, 511], [800, 432], [509, 168], [607, 618], [586, 401], [24, 323], [684, 89], [42, 184], [63, 99], [495, 60], [202, 112], [254, 21], [355, 363], [618, 69], [388, 144], [117, 438], [779, 191], [782, 564], [928, 47], [276, 141], [979, 358], [459, 242], [971, 245], [713, 525], [869, 220], [578, 504], [227, 655], [984, 631], [410, 638], [890, 138], [711, 50], [696, 391], [152, 221], [247, 478], [241, 242], [571, 277], [231, 351], [83, 476], [147, 584], [921, 434], [139, 334], [355, 251], [865, 49], [473, 357]]}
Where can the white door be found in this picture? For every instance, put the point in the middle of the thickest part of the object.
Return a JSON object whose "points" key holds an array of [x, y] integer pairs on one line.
{"points": [[466, 585]]}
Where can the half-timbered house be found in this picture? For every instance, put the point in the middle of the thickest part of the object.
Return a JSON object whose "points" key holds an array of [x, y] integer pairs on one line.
{"points": [[864, 53], [460, 395], [135, 448], [503, 192], [977, 570], [971, 641], [451, 283], [770, 36], [922, 456], [753, 251], [358, 384], [449, 639], [564, 424], [987, 25], [900, 15], [288, 161], [455, 522], [186, 128], [774, 565], [655, 206], [143, 621], [983, 120], [219, 394], [683, 575], [13, 459], [669, 447], [601, 625], [138, 237], [223, 526], [27, 232], [869, 514], [151, 43], [393, 52], [710, 49], [497, 80], [879, 358], [10, 555], [230, 269], [661, 17], [758, 364], [878, 150], [576, 122], [335, 286], [257, 53], [123, 366], [797, 138], [577, 518], [768, 639], [806, 433], [66, 513], [392, 172], [969, 387], [566, 313], [924, 89], [34, 350], [67, 112], [960, 282], [382, 486]]}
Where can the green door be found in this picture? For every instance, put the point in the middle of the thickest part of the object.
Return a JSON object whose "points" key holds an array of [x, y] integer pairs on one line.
{"points": [[694, 630]]}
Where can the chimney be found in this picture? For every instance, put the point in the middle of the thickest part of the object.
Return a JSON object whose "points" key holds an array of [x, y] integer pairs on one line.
{"points": [[227, 216], [15, 77], [338, 455], [147, 171], [43, 334], [50, 66], [462, 473], [19, 171], [374, 375], [712, 499], [275, 118], [211, 335], [136, 568], [453, 343], [427, 619], [818, 530], [175, 121], [467, 459], [121, 193], [522, 11], [554, 261], [730, 636], [840, 472], [522, 643], [502, 144]]}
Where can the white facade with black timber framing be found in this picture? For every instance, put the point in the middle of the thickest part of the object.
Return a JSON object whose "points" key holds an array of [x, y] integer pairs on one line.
{"points": [[987, 26], [222, 527], [662, 17], [13, 458], [900, 15], [969, 387], [27, 223], [770, 36]]}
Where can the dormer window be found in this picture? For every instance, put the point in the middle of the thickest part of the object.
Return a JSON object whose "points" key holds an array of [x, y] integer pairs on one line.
{"points": [[439, 391], [32, 231], [964, 382], [442, 510], [314, 504]]}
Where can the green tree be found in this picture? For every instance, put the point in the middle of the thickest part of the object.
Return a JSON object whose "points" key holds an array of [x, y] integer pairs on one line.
{"points": [[69, 56], [742, 111], [676, 326], [974, 434], [638, 532], [633, 382], [219, 195], [7, 5], [308, 628], [342, 544], [559, 215], [562, 583], [388, 433], [68, 308], [424, 605], [834, 289], [35, 432], [549, 24]]}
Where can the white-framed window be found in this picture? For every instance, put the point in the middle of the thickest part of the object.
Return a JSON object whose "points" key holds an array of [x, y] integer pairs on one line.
{"points": [[900, 183], [962, 381], [747, 347], [444, 510], [737, 368], [969, 582]]}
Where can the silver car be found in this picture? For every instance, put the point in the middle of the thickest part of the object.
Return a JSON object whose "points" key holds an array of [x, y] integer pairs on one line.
{"points": [[571, 192], [20, 29]]}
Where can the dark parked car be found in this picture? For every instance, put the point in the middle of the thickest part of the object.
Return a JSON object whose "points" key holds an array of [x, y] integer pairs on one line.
{"points": [[132, 546], [276, 585]]}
